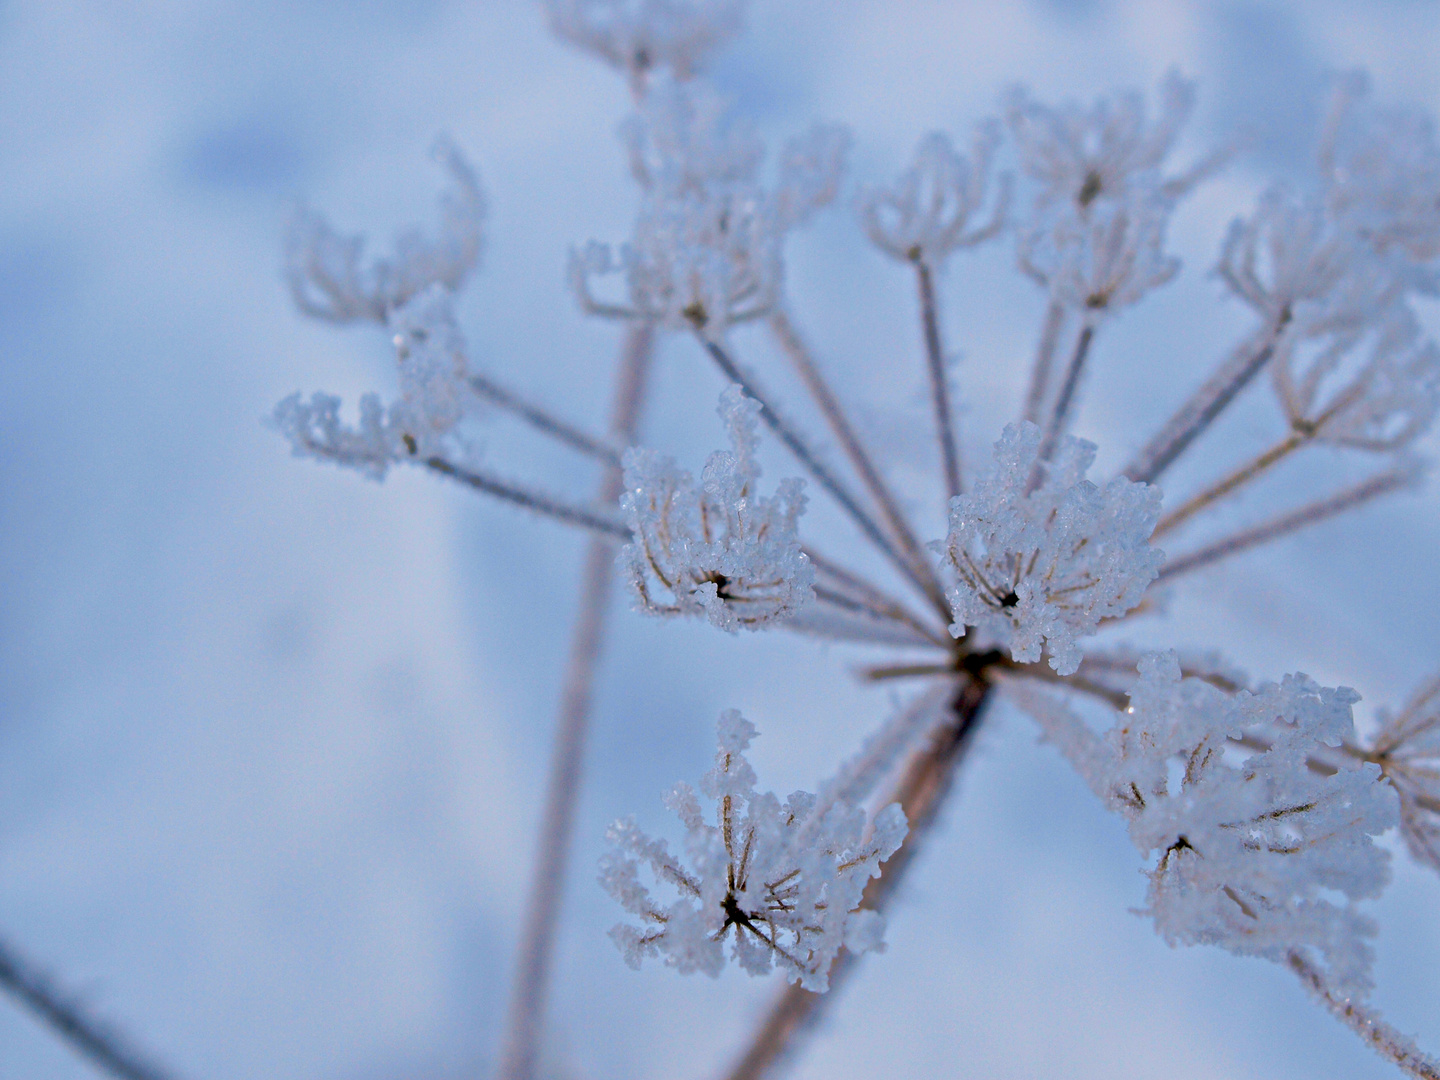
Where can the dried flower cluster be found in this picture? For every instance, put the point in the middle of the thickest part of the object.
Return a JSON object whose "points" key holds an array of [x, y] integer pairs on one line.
{"points": [[1258, 807]]}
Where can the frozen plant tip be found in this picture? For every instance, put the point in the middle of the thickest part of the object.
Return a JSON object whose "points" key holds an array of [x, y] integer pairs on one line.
{"points": [[1043, 564], [721, 550], [782, 881]]}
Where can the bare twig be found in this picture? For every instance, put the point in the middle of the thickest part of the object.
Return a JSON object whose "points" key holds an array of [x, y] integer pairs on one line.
{"points": [[921, 792], [527, 1002], [1203, 406], [104, 1046], [594, 519], [544, 421], [825, 399], [939, 390], [1309, 514]]}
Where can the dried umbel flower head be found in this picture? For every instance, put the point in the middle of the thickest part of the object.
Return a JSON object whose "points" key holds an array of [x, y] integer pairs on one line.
{"points": [[639, 36], [781, 881], [721, 550], [1040, 554]]}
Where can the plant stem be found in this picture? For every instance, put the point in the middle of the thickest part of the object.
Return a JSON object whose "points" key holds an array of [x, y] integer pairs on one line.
{"points": [[921, 792], [1060, 414], [532, 969], [1208, 402], [850, 443], [105, 1048], [1044, 361], [1309, 514], [544, 421], [1241, 476], [548, 505], [939, 391]]}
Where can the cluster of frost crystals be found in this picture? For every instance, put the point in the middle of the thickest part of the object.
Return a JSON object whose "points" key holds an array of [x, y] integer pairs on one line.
{"points": [[639, 36], [1042, 563], [435, 396], [1376, 390], [706, 252], [783, 881], [932, 208], [331, 279], [721, 550], [1407, 749], [1250, 835], [1095, 233]]}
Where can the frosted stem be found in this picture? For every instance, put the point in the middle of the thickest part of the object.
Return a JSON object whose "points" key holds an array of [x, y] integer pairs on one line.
{"points": [[1060, 414], [939, 390], [1044, 361], [1240, 477], [544, 421], [1379, 1035], [97, 1041], [537, 942], [921, 792], [1309, 514], [875, 597], [1203, 406], [569, 513], [850, 443], [821, 472]]}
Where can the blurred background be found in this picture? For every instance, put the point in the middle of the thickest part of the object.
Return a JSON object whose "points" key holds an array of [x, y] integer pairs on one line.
{"points": [[273, 737]]}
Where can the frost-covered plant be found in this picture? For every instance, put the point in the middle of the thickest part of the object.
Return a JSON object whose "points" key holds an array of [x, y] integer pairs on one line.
{"points": [[782, 880], [1256, 807]]}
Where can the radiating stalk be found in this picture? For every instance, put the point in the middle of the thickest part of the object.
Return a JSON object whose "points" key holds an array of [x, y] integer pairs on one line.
{"points": [[829, 406], [1243, 475], [104, 1046], [543, 421], [1309, 514], [571, 514], [1060, 413], [1203, 406], [921, 792], [1044, 361], [537, 942], [939, 390]]}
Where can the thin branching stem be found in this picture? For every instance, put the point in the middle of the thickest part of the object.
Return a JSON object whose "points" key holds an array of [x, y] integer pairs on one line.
{"points": [[99, 1042], [829, 405], [1203, 406], [1309, 514], [939, 384], [882, 672], [921, 791], [1365, 1022], [545, 422], [875, 597], [1059, 418], [1044, 361], [537, 941], [594, 519], [807, 457], [1076, 682], [1233, 481]]}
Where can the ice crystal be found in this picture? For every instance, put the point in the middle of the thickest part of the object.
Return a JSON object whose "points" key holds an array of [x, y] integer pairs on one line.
{"points": [[641, 35], [1044, 563], [721, 550], [931, 210], [330, 279], [786, 878]]}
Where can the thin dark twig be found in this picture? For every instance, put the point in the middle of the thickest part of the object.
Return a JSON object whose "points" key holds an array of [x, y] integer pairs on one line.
{"points": [[99, 1042], [544, 421], [1060, 414], [939, 390], [1044, 361], [569, 513], [829, 405]]}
